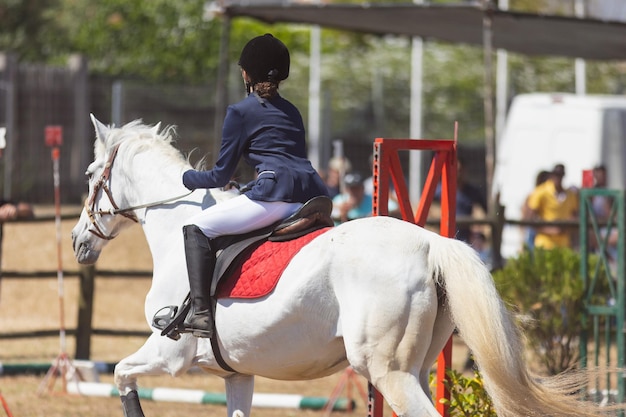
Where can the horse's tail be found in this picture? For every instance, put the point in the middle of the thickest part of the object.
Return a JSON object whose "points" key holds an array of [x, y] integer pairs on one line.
{"points": [[488, 329]]}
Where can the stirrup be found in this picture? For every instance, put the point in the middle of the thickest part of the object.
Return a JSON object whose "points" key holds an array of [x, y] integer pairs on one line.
{"points": [[171, 321]]}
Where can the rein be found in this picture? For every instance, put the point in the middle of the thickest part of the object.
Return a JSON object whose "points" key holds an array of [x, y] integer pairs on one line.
{"points": [[101, 185], [123, 211]]}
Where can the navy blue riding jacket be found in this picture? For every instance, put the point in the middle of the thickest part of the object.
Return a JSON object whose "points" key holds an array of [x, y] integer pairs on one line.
{"points": [[269, 135]]}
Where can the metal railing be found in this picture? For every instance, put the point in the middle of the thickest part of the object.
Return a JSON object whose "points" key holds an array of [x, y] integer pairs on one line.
{"points": [[603, 315]]}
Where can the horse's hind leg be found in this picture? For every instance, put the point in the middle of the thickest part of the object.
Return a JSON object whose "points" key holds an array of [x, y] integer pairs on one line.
{"points": [[404, 394], [398, 359], [397, 373]]}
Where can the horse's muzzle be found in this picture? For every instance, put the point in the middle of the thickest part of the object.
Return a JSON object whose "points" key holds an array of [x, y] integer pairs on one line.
{"points": [[83, 252]]}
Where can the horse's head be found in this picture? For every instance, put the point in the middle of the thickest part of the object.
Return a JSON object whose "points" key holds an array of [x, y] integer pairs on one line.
{"points": [[104, 214]]}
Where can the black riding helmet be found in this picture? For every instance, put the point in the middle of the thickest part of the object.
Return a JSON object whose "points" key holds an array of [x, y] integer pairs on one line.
{"points": [[265, 58]]}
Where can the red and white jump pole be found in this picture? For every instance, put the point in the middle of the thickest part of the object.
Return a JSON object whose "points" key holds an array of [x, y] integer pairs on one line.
{"points": [[61, 365]]}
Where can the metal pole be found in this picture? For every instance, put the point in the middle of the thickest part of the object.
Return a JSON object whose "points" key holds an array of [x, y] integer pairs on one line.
{"points": [[221, 91], [580, 66], [314, 97], [415, 129], [502, 82], [117, 102], [81, 148], [490, 143]]}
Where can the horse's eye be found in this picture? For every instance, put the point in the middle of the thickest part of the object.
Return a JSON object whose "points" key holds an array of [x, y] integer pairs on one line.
{"points": [[89, 175]]}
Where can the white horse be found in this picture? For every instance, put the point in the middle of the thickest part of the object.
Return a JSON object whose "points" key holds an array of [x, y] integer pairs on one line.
{"points": [[378, 294]]}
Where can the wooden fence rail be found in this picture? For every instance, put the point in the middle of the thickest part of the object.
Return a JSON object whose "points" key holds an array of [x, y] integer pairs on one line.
{"points": [[84, 329], [86, 275]]}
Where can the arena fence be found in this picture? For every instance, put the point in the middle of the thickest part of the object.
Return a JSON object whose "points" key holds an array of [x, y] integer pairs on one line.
{"points": [[86, 275]]}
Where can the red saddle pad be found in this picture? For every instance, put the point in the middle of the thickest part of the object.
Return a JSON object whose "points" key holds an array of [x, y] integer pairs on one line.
{"points": [[257, 274]]}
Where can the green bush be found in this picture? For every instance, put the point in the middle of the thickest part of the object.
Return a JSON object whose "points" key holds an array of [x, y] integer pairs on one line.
{"points": [[546, 289], [468, 397]]}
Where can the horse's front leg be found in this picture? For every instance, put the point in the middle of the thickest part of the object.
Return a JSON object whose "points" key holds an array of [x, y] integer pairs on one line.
{"points": [[239, 391], [159, 355]]}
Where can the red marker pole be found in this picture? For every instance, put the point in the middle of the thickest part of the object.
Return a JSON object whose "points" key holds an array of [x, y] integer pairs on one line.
{"points": [[54, 139]]}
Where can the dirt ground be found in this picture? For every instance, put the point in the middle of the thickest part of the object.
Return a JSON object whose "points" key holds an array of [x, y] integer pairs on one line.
{"points": [[34, 304]]}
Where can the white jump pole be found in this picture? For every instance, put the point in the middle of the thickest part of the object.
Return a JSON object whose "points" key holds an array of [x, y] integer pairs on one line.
{"points": [[98, 389]]}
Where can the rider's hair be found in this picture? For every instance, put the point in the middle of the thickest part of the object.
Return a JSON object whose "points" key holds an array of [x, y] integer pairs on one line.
{"points": [[266, 89]]}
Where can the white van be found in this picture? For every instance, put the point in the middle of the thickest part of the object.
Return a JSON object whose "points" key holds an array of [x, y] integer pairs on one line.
{"points": [[580, 131]]}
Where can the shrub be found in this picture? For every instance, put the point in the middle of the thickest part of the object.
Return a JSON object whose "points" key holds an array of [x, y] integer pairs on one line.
{"points": [[468, 397], [547, 291]]}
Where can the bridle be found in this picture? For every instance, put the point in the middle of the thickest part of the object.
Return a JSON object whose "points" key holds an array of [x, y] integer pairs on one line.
{"points": [[128, 212]]}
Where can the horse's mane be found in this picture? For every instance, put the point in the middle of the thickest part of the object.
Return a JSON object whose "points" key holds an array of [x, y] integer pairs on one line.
{"points": [[138, 137]]}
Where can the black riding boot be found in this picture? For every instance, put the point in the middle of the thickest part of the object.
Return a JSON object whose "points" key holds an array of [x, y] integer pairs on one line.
{"points": [[200, 266]]}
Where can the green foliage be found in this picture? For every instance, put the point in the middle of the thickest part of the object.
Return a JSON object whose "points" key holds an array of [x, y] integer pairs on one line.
{"points": [[454, 91], [29, 30], [155, 40], [546, 289], [366, 79], [468, 397]]}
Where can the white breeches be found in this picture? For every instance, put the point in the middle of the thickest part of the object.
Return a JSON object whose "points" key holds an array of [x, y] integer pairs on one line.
{"points": [[241, 215]]}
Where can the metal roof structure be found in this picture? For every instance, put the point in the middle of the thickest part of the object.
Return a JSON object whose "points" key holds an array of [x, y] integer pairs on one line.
{"points": [[524, 33], [470, 23]]}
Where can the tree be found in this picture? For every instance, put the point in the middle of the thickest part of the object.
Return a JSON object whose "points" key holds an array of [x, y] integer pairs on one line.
{"points": [[155, 40], [28, 29], [170, 42]]}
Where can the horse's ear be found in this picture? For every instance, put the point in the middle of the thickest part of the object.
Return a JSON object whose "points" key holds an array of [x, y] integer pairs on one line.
{"points": [[155, 128], [101, 129]]}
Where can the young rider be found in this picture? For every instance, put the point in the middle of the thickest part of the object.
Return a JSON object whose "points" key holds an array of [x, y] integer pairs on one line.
{"points": [[266, 131]]}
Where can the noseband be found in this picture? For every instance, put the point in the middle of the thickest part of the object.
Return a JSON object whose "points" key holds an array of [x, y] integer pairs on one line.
{"points": [[102, 185]]}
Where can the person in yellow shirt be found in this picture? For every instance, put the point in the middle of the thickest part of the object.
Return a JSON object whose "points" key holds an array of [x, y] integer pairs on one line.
{"points": [[549, 202]]}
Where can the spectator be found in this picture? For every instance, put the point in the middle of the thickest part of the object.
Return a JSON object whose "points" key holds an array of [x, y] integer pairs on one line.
{"points": [[10, 210], [354, 202], [601, 206], [13, 210], [479, 242], [552, 202], [337, 169], [527, 214]]}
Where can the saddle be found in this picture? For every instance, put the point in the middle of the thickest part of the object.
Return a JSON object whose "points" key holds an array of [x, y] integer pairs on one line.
{"points": [[230, 249]]}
